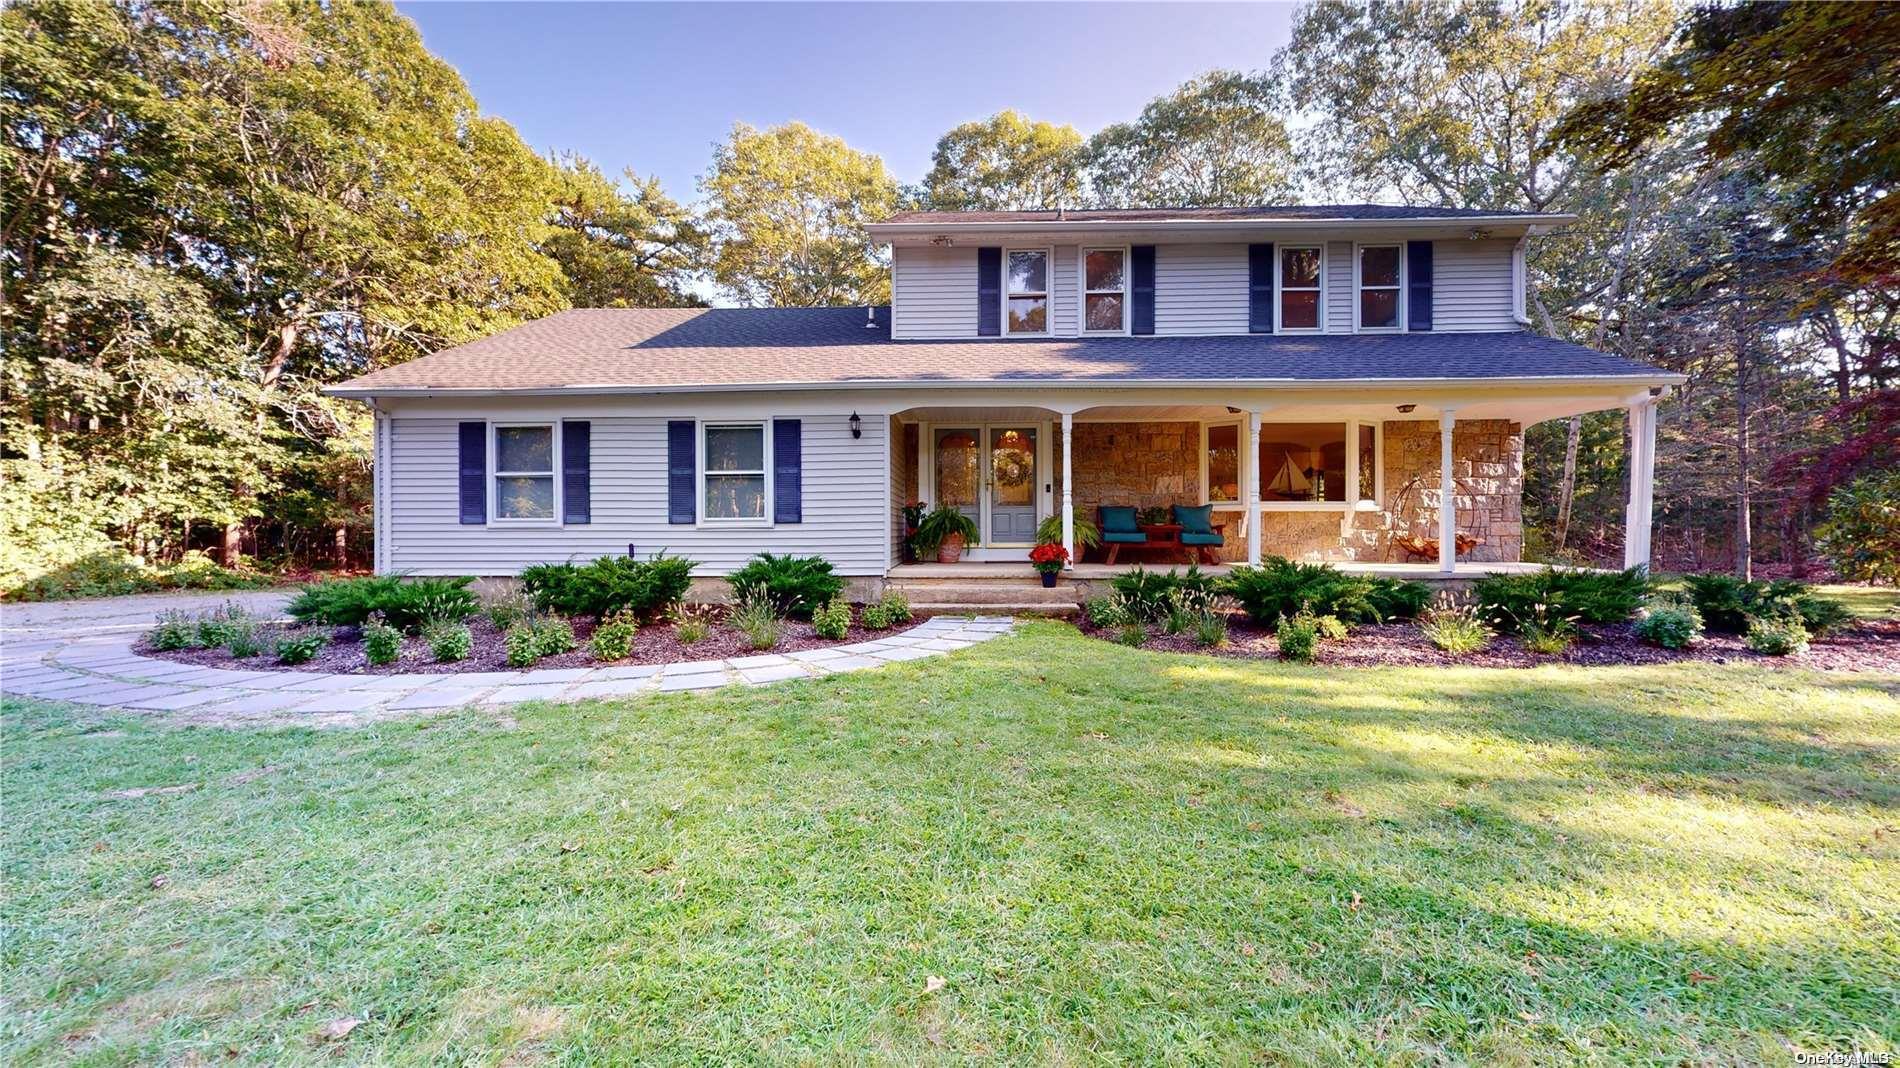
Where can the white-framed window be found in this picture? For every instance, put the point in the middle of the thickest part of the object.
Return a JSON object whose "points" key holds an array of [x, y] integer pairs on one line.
{"points": [[735, 473], [1320, 466], [1369, 457], [523, 459], [1379, 277], [1105, 290], [1299, 293], [1221, 470], [1026, 290]]}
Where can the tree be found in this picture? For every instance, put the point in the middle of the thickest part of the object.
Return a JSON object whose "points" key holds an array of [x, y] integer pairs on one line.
{"points": [[1217, 141], [786, 209], [618, 249], [1004, 163]]}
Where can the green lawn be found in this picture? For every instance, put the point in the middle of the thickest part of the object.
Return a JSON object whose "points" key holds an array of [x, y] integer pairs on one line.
{"points": [[1106, 854]]}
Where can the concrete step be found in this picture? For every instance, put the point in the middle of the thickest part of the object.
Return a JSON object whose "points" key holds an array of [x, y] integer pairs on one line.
{"points": [[1044, 608], [984, 593]]}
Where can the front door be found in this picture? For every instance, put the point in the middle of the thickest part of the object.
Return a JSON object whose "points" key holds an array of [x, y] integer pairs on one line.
{"points": [[1012, 485], [959, 459]]}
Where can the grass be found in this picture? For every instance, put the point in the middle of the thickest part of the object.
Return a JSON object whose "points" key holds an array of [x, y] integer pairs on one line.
{"points": [[1105, 854]]}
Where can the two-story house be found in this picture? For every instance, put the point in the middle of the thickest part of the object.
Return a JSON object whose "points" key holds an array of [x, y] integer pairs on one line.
{"points": [[1318, 375]]}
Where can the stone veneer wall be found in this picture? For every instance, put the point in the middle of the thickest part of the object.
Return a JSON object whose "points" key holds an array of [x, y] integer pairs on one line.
{"points": [[1159, 463]]}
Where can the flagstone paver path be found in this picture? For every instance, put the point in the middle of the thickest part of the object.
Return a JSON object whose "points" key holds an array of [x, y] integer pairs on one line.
{"points": [[81, 651]]}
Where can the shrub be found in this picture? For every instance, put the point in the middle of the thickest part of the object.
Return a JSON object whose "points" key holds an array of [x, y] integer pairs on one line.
{"points": [[1392, 599], [1087, 534], [893, 610], [382, 643], [301, 649], [1148, 595], [1591, 596], [112, 572], [692, 622], [243, 638], [407, 606], [1279, 587], [1131, 632], [757, 618], [522, 645], [1729, 605], [1542, 627], [1861, 534], [1105, 612], [610, 584], [552, 636], [1330, 627], [504, 610], [796, 585], [1672, 626], [832, 621], [218, 626], [1210, 630], [1777, 637], [1298, 635], [448, 642], [1455, 628], [175, 630], [613, 639]]}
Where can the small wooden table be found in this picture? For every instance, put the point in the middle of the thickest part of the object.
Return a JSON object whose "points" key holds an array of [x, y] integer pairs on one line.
{"points": [[1168, 536]]}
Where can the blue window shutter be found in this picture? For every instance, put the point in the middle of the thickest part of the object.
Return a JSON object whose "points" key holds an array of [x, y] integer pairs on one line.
{"points": [[1260, 289], [1418, 284], [682, 475], [473, 449], [1141, 289], [989, 292], [788, 478], [577, 462]]}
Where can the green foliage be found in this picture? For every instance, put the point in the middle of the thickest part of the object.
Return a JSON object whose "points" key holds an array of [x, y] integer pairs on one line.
{"points": [[1217, 141], [1006, 162], [382, 643], [794, 586], [243, 638], [694, 622], [757, 617], [301, 649], [1131, 632], [175, 630], [1591, 596], [523, 646], [1154, 515], [1729, 605], [1210, 630], [1280, 587], [938, 525], [832, 621], [1861, 534], [890, 611], [613, 639], [552, 635], [1672, 626], [786, 209], [1777, 636], [1149, 595], [610, 584], [1105, 612], [506, 609], [1454, 627], [1087, 534], [1331, 628], [223, 624], [1394, 599], [107, 572], [406, 605], [1298, 636], [448, 642], [621, 244]]}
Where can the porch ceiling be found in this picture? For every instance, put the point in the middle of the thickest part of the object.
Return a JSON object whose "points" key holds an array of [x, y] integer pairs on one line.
{"points": [[1518, 408]]}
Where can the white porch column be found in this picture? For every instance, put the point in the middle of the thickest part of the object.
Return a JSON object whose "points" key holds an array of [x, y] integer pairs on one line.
{"points": [[1447, 496], [1068, 485], [1638, 514], [1252, 464]]}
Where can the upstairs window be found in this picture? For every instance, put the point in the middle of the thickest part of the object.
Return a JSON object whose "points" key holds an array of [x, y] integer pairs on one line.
{"points": [[1299, 288], [1379, 287], [1026, 292], [524, 472], [1105, 290]]}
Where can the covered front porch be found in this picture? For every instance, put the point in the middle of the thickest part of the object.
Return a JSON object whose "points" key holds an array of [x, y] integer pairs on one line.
{"points": [[1406, 481]]}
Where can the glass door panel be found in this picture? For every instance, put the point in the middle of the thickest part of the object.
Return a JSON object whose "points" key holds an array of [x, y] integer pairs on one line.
{"points": [[1012, 485]]}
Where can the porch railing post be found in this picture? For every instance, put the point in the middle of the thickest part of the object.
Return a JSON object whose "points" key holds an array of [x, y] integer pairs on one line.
{"points": [[1447, 496], [1252, 460], [1068, 486], [1639, 512]]}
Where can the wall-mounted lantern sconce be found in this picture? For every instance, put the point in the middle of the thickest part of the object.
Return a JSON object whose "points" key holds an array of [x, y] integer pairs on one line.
{"points": [[857, 426], [1407, 408]]}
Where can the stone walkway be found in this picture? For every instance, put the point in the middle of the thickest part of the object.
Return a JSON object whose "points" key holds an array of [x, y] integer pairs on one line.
{"points": [[82, 652]]}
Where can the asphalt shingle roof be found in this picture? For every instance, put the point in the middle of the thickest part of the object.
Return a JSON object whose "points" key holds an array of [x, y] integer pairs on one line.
{"points": [[1263, 213], [671, 348]]}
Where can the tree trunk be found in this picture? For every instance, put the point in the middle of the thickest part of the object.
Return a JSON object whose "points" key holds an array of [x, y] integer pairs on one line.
{"points": [[233, 544], [1567, 489], [342, 547]]}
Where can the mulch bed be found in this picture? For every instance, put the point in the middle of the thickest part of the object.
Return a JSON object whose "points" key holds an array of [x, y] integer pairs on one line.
{"points": [[653, 644], [1867, 645]]}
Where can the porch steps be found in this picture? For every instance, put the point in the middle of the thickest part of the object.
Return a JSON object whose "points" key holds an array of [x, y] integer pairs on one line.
{"points": [[1014, 593]]}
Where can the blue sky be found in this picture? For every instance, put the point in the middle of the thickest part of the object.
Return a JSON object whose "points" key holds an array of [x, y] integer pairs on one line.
{"points": [[652, 86]]}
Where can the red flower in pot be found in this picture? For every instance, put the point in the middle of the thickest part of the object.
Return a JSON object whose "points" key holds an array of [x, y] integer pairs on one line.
{"points": [[1048, 559]]}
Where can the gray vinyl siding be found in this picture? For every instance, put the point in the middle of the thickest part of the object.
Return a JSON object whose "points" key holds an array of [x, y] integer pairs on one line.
{"points": [[1063, 319], [1471, 286], [935, 292], [1200, 289], [1339, 294], [843, 480]]}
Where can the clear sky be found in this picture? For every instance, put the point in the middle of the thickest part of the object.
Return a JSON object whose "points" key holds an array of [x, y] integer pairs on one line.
{"points": [[652, 86]]}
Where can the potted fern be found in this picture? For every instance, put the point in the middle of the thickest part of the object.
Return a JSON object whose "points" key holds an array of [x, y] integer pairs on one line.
{"points": [[945, 531]]}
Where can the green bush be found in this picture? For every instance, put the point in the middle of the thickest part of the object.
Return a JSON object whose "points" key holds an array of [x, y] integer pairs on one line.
{"points": [[1105, 612], [1777, 636], [1210, 630], [891, 611], [113, 572], [796, 585], [1298, 635], [1589, 596], [1392, 599], [693, 622], [523, 646], [506, 609], [1331, 628], [1672, 626], [448, 642], [1729, 605], [223, 623], [833, 621], [1148, 595], [647, 588], [1280, 587], [1131, 632], [757, 618], [406, 605], [1455, 628], [175, 630], [243, 638], [301, 649], [382, 643], [1861, 534], [552, 636], [613, 639]]}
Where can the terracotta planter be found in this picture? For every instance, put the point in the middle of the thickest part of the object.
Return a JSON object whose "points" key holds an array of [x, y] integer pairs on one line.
{"points": [[1048, 579], [951, 550]]}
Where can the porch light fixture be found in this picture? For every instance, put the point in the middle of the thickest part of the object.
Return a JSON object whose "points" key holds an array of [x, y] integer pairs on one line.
{"points": [[1407, 408], [857, 426]]}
